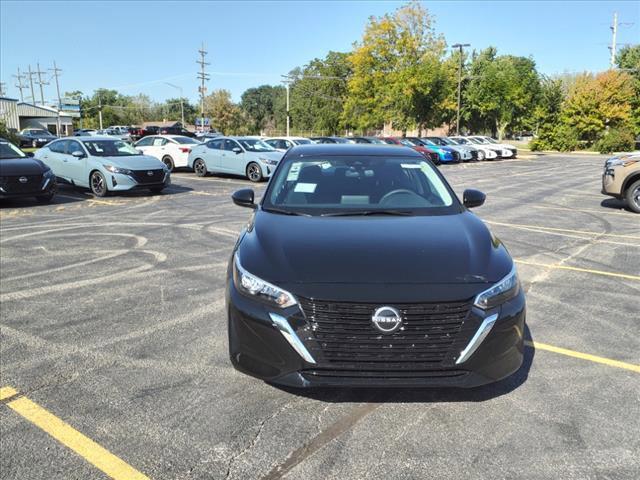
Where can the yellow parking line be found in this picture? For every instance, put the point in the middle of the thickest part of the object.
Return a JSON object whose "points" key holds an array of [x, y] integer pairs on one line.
{"points": [[71, 438], [7, 392], [584, 356], [577, 269], [582, 232]]}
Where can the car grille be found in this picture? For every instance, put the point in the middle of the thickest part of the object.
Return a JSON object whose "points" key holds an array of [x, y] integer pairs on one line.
{"points": [[342, 334], [142, 176], [12, 184]]}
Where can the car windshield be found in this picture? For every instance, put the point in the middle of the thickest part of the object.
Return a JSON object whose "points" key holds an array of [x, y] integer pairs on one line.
{"points": [[376, 140], [255, 145], [474, 140], [436, 141], [185, 140], [407, 143], [480, 140], [109, 148], [9, 150], [303, 141], [429, 141], [359, 185], [460, 141]]}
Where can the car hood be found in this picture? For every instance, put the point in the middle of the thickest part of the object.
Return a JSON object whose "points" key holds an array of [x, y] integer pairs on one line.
{"points": [[21, 166], [134, 162], [443, 249]]}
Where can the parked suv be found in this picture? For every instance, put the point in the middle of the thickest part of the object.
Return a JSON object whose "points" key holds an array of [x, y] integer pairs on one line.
{"points": [[621, 179]]}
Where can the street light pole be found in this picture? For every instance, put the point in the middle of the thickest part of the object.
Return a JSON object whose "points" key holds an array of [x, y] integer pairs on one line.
{"points": [[459, 46], [181, 101]]}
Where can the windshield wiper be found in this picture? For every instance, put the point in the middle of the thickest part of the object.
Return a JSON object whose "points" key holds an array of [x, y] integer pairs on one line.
{"points": [[285, 212], [402, 213]]}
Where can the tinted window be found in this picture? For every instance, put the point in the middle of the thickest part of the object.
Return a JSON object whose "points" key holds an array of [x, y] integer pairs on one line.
{"points": [[110, 148], [145, 142], [8, 150], [73, 146], [215, 144], [57, 147], [230, 145], [184, 140]]}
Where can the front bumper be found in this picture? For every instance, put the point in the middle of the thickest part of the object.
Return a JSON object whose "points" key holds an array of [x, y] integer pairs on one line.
{"points": [[259, 347], [612, 179], [120, 182], [47, 186]]}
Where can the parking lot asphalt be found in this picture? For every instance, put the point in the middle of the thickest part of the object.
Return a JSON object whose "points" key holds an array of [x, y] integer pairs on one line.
{"points": [[113, 322]]}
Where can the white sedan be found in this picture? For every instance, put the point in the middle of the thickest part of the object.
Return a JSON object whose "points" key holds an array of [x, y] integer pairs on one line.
{"points": [[172, 150], [508, 149], [283, 144], [246, 156]]}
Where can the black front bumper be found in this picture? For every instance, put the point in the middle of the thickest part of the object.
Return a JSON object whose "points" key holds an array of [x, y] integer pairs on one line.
{"points": [[14, 190], [259, 349]]}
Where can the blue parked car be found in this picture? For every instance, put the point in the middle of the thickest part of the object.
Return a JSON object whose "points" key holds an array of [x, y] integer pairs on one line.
{"points": [[446, 154], [103, 164]]}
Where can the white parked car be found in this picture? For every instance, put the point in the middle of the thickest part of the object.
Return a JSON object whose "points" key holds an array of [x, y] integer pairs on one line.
{"points": [[285, 143], [173, 150], [246, 156], [492, 142], [489, 153]]}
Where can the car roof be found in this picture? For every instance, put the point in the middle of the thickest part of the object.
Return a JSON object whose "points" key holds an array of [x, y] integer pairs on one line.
{"points": [[352, 149]]}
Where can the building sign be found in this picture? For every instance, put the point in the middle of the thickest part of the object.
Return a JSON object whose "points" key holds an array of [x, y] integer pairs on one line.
{"points": [[70, 106], [199, 122]]}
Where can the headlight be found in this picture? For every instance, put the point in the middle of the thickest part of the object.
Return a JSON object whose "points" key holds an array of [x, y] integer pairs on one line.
{"points": [[268, 161], [255, 287], [112, 169], [504, 290]]}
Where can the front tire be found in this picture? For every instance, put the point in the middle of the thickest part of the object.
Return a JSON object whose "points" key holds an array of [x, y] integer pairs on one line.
{"points": [[168, 161], [98, 184], [254, 172], [632, 195], [45, 198], [200, 167]]}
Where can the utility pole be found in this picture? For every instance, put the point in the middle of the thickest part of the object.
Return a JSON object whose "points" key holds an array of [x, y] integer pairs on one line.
{"points": [[19, 85], [287, 81], [459, 46], [41, 83], [56, 73], [2, 84], [100, 110], [203, 77], [614, 34], [33, 95]]}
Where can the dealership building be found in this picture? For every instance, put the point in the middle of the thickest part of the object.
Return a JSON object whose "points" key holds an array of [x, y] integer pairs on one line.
{"points": [[20, 115]]}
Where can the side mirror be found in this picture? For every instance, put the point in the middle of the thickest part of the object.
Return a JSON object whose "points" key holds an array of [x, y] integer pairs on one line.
{"points": [[77, 154], [244, 198], [237, 150], [139, 150], [473, 198]]}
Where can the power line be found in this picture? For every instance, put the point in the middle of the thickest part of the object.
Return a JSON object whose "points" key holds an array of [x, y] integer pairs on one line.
{"points": [[203, 76], [56, 73]]}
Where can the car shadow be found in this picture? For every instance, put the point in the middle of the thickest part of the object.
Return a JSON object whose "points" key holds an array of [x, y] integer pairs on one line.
{"points": [[427, 394], [615, 204]]}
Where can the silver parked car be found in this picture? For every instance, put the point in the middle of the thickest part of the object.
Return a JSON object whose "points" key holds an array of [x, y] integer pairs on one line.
{"points": [[246, 156], [103, 164]]}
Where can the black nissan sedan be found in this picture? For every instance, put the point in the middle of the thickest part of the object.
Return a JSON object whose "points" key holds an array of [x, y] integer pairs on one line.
{"points": [[360, 267], [23, 176]]}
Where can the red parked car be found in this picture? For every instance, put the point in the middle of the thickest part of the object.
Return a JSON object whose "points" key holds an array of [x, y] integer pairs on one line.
{"points": [[430, 154]]}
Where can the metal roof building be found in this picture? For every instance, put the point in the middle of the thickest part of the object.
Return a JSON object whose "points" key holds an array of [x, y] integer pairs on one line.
{"points": [[21, 115]]}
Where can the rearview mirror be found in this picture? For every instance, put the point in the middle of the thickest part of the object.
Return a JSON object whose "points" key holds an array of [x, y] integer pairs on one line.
{"points": [[77, 154], [244, 198], [473, 198], [237, 150]]}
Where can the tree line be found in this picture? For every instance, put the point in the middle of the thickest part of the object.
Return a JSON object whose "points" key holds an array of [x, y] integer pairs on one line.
{"points": [[400, 73]]}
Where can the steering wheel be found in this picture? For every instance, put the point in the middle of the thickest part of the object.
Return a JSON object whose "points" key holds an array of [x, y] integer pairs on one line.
{"points": [[399, 191]]}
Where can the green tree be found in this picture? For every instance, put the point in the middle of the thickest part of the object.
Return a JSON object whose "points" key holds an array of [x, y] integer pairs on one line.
{"points": [[628, 60], [597, 103], [265, 106], [398, 74], [501, 92], [225, 115], [171, 110], [318, 93]]}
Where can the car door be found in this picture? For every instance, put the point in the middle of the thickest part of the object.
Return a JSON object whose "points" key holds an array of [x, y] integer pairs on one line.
{"points": [[211, 154], [232, 162], [145, 145], [51, 155], [74, 168]]}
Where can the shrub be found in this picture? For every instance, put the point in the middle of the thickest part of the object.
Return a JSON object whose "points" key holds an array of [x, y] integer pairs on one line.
{"points": [[8, 134], [616, 140], [561, 137]]}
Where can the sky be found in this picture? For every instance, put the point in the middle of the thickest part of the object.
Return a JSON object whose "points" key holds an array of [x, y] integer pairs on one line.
{"points": [[138, 47]]}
